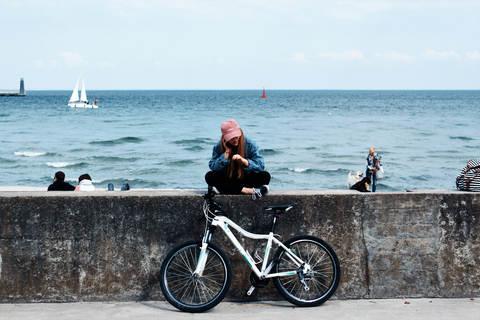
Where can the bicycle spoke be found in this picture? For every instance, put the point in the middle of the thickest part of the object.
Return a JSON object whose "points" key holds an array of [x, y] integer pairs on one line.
{"points": [[190, 289], [318, 274]]}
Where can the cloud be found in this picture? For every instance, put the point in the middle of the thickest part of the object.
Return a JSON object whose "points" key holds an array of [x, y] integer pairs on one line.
{"points": [[38, 63], [473, 56], [299, 57], [347, 55], [105, 64], [41, 64], [440, 55], [396, 57], [296, 57], [73, 59]]}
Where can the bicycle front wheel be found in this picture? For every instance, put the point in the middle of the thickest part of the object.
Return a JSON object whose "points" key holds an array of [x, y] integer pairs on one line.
{"points": [[319, 283], [195, 293]]}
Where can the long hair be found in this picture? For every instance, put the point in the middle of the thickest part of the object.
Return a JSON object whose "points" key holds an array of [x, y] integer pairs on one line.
{"points": [[235, 169]]}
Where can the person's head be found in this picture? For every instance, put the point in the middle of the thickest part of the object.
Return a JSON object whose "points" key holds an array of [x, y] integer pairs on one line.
{"points": [[85, 176], [231, 132], [371, 151], [59, 176]]}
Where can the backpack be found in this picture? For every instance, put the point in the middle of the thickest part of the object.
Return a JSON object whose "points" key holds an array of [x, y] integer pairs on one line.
{"points": [[469, 178]]}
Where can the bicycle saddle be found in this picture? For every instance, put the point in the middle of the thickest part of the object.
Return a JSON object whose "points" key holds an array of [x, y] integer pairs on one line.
{"points": [[281, 208]]}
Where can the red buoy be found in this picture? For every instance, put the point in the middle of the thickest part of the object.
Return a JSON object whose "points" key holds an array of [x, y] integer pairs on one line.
{"points": [[264, 95]]}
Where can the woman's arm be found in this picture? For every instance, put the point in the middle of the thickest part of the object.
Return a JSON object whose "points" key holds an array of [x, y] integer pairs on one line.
{"points": [[218, 162], [253, 156]]}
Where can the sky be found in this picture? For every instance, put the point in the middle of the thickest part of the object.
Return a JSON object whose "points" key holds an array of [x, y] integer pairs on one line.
{"points": [[240, 44]]}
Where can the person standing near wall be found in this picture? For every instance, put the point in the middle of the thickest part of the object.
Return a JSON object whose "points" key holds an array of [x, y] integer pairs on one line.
{"points": [[373, 164]]}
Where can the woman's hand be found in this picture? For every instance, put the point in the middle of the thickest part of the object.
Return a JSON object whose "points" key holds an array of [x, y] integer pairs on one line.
{"points": [[228, 151], [239, 158]]}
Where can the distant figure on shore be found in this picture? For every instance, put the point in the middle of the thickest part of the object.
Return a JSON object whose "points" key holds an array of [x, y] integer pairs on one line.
{"points": [[362, 185], [60, 184], [85, 183], [373, 164], [237, 165]]}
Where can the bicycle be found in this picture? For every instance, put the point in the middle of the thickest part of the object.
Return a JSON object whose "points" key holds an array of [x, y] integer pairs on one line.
{"points": [[196, 275]]}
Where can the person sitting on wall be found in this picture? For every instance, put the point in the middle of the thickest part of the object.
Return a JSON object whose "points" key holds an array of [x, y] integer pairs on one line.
{"points": [[362, 185], [85, 183], [60, 184], [236, 165]]}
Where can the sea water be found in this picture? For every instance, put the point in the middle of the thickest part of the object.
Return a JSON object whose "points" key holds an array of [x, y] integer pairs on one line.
{"points": [[309, 139]]}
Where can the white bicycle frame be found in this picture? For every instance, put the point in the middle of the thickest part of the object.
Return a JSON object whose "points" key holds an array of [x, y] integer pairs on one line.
{"points": [[224, 223]]}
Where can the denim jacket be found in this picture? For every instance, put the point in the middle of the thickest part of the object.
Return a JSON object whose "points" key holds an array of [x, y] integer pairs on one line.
{"points": [[372, 164], [252, 154]]}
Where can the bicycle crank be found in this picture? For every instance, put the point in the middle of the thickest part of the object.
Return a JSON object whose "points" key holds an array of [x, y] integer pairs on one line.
{"points": [[256, 283]]}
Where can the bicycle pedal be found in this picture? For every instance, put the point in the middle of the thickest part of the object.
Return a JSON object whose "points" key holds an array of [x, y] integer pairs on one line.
{"points": [[250, 291]]}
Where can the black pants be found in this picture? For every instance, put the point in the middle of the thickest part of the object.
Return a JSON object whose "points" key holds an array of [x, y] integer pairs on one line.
{"points": [[235, 186]]}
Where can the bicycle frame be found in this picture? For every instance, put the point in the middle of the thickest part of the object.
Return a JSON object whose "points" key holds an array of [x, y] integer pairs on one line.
{"points": [[224, 223]]}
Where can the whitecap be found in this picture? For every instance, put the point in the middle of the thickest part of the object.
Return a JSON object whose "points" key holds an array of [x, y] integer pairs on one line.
{"points": [[29, 154], [298, 169], [59, 164]]}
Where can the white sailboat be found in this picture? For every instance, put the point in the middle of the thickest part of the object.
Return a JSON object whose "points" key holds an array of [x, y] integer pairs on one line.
{"points": [[82, 102]]}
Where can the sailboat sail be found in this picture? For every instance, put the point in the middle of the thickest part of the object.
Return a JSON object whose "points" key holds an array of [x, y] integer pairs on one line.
{"points": [[74, 96], [83, 95]]}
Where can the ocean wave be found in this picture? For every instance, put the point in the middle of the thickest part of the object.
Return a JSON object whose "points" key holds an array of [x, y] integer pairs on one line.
{"points": [[316, 171], [181, 163], [269, 152], [462, 138], [3, 160], [194, 141], [29, 153], [300, 170], [110, 159], [66, 164], [117, 141], [133, 183], [194, 148]]}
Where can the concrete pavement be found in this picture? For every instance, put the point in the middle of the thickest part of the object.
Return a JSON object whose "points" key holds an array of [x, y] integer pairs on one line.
{"points": [[391, 309]]}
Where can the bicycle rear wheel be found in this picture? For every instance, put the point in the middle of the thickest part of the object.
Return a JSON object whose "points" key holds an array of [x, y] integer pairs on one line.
{"points": [[191, 293], [323, 278]]}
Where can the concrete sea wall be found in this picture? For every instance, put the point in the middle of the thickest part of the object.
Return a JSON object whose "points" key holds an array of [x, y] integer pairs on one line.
{"points": [[109, 246]]}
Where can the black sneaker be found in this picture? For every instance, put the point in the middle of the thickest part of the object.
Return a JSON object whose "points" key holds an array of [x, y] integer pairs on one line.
{"points": [[259, 192]]}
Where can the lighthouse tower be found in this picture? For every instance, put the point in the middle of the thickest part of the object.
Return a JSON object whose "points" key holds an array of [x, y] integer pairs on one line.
{"points": [[22, 88]]}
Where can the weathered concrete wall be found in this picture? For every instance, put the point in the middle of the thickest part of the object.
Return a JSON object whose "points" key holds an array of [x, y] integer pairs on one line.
{"points": [[102, 246]]}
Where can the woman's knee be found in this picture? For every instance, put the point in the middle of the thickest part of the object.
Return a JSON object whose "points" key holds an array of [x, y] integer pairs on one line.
{"points": [[210, 177]]}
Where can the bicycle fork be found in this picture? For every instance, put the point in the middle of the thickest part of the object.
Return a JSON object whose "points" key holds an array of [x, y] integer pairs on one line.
{"points": [[202, 260]]}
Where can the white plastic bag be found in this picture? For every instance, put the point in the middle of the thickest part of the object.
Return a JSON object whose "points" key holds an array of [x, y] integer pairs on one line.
{"points": [[379, 173]]}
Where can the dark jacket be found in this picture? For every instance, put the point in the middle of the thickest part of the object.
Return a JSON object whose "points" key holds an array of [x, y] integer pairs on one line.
{"points": [[359, 186], [60, 186]]}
